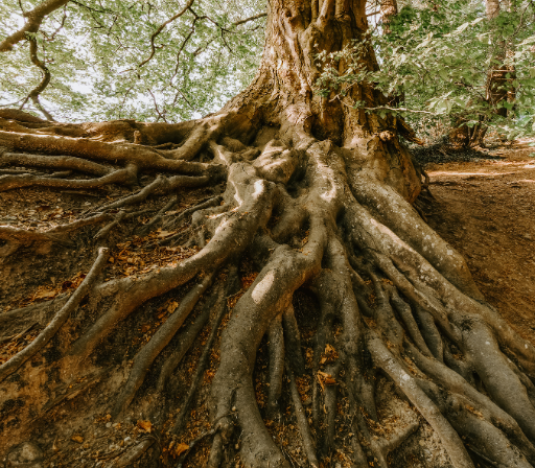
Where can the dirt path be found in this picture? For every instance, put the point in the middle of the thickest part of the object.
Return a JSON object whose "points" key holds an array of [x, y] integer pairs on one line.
{"points": [[486, 210]]}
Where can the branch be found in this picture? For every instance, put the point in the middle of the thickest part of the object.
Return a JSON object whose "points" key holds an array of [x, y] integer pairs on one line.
{"points": [[60, 27], [160, 29], [252, 18], [35, 18], [34, 93], [400, 109], [92, 12]]}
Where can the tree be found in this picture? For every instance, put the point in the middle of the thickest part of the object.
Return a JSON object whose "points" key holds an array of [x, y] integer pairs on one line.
{"points": [[499, 84], [437, 60], [348, 300]]}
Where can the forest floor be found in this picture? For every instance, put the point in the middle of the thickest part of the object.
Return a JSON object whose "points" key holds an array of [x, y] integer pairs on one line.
{"points": [[486, 209]]}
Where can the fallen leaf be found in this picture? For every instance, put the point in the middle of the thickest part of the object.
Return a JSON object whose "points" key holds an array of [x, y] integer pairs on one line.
{"points": [[45, 293], [325, 379], [145, 425], [179, 449], [329, 355], [77, 438]]}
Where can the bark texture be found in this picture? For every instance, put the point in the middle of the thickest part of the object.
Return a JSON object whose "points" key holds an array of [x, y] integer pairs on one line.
{"points": [[307, 294]]}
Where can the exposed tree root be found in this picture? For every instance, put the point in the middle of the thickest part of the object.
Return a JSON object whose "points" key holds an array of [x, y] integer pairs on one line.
{"points": [[304, 428], [120, 176], [61, 317], [53, 162], [133, 455], [162, 337], [317, 206], [221, 309]]}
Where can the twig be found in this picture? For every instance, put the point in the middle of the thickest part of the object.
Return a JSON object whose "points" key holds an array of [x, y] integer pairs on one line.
{"points": [[251, 18], [161, 28]]}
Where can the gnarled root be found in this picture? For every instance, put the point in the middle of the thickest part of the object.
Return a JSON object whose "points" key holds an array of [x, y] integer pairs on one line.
{"points": [[386, 301]]}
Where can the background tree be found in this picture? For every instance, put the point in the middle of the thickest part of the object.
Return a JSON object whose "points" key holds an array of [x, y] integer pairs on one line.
{"points": [[439, 57], [217, 283]]}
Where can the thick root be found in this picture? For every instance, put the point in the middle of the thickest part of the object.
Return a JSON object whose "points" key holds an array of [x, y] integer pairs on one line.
{"points": [[389, 303]]}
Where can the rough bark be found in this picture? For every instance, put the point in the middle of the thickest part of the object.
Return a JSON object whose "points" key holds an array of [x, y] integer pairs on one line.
{"points": [[347, 298]]}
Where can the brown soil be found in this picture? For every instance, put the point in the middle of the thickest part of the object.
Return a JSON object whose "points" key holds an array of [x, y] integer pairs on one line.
{"points": [[486, 210]]}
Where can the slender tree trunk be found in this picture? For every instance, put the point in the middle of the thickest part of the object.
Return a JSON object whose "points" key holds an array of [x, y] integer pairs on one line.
{"points": [[389, 9], [499, 85], [287, 271], [501, 74]]}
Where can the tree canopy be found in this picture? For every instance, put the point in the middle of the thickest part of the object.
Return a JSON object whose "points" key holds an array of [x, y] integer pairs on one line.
{"points": [[148, 60], [160, 60]]}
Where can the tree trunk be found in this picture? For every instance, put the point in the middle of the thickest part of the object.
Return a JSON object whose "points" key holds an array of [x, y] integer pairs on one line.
{"points": [[260, 292], [389, 9], [501, 75]]}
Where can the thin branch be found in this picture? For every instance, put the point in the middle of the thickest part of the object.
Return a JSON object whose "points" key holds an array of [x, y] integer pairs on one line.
{"points": [[160, 29], [60, 27], [160, 115], [35, 18], [252, 18], [188, 37], [91, 11], [400, 109], [21, 8], [222, 30]]}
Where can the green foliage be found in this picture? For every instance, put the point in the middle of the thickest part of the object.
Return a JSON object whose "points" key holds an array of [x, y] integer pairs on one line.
{"points": [[437, 58], [94, 48]]}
